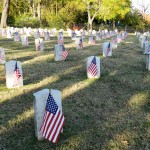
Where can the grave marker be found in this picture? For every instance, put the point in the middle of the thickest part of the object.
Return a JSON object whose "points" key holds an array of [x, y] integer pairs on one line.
{"points": [[93, 67], [39, 44], [2, 55], [79, 43], [14, 77], [107, 49], [60, 52], [148, 61], [39, 105], [24, 40], [16, 37]]}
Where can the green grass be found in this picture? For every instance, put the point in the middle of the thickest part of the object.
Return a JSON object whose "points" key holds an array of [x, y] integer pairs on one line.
{"points": [[110, 113]]}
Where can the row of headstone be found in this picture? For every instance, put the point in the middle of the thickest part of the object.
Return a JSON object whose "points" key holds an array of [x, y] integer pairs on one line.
{"points": [[145, 46], [9, 32]]}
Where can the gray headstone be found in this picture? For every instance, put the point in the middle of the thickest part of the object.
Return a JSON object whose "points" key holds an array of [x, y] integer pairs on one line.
{"points": [[2, 55], [11, 80], [24, 40], [39, 44], [39, 105], [148, 62], [88, 63], [58, 52], [107, 49]]}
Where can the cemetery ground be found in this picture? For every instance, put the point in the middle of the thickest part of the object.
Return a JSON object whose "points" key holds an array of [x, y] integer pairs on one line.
{"points": [[109, 113]]}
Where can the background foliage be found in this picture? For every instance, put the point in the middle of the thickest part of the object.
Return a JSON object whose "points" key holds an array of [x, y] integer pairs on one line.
{"points": [[70, 13]]}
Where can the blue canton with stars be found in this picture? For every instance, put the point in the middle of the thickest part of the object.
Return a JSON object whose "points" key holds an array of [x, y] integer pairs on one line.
{"points": [[51, 105]]}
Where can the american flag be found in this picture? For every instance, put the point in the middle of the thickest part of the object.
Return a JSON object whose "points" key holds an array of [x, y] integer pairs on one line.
{"points": [[53, 121], [92, 69], [17, 36], [39, 46], [108, 49], [114, 40], [17, 74], [26, 41], [64, 53], [145, 39], [60, 41], [93, 40], [81, 43]]}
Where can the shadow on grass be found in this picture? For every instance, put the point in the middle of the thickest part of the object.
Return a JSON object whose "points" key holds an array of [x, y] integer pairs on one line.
{"points": [[100, 114]]}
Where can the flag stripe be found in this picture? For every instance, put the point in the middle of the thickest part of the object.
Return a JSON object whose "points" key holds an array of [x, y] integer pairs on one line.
{"points": [[50, 125], [48, 121], [53, 121], [47, 116], [61, 124], [55, 129], [92, 69], [53, 125]]}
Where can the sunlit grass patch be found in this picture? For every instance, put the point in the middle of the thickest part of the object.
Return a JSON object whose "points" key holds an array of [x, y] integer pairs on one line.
{"points": [[138, 100], [111, 112]]}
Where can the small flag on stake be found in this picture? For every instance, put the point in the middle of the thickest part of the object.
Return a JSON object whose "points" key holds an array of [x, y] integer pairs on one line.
{"points": [[17, 75], [39, 46], [53, 121], [92, 69], [81, 43], [64, 53], [108, 49]]}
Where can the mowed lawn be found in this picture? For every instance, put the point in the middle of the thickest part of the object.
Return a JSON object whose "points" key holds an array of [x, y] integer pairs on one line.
{"points": [[109, 113]]}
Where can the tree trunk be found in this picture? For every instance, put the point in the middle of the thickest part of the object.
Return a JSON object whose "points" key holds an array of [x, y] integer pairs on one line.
{"points": [[90, 20], [114, 24], [33, 10], [56, 8], [90, 24], [5, 13], [39, 11]]}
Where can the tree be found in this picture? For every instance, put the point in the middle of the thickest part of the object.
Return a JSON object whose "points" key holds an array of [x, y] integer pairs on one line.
{"points": [[142, 7], [6, 5], [114, 9], [92, 7]]}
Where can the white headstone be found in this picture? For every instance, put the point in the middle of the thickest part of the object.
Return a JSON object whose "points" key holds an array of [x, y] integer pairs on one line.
{"points": [[148, 61], [143, 39], [98, 35], [146, 47], [93, 62], [58, 52], [39, 105], [73, 35], [107, 49], [60, 39], [69, 32], [114, 42], [24, 40], [46, 36], [79, 43], [12, 80], [4, 34], [2, 55], [39, 44], [41, 31], [36, 34], [91, 40], [28, 33], [16, 37], [9, 36], [119, 38]]}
